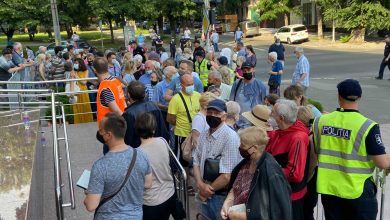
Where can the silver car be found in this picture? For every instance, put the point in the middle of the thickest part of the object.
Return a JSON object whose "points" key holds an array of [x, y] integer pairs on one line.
{"points": [[249, 28]]}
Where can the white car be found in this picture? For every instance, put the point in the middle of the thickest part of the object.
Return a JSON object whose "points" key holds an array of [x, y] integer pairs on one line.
{"points": [[292, 33]]}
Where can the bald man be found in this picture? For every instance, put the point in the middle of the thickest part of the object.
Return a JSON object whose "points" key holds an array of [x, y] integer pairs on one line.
{"points": [[149, 67]]}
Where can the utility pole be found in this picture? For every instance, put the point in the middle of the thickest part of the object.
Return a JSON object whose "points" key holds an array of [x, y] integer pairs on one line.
{"points": [[56, 23]]}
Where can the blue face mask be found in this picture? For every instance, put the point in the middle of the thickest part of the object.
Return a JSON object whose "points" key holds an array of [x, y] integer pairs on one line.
{"points": [[190, 89], [148, 72], [76, 66], [175, 76]]}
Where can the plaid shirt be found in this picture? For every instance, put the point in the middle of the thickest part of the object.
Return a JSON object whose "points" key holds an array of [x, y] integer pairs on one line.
{"points": [[224, 142], [302, 67]]}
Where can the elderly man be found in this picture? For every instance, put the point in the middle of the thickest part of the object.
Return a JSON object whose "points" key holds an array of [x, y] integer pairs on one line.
{"points": [[149, 67], [289, 145], [162, 87], [302, 70], [186, 67], [137, 105], [248, 92], [349, 147], [182, 108], [276, 72], [215, 81], [219, 145]]}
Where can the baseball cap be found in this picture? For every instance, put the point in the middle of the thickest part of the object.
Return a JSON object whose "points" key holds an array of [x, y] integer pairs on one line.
{"points": [[218, 105], [199, 54], [387, 36], [259, 116], [133, 42], [223, 60], [247, 65], [350, 90]]}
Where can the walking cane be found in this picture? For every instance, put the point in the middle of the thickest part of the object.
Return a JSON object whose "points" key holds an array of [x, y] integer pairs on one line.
{"points": [[383, 185]]}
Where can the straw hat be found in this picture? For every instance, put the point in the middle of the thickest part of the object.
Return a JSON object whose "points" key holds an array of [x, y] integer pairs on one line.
{"points": [[259, 116]]}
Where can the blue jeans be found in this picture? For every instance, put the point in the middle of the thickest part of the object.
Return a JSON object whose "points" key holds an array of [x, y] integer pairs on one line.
{"points": [[216, 49], [213, 207]]}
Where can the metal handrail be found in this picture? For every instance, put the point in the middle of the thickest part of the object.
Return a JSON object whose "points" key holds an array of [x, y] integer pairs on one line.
{"points": [[49, 81], [182, 184], [71, 190]]}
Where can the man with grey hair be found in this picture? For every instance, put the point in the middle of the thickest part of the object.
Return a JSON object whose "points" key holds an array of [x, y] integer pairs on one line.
{"points": [[275, 74], [290, 147], [42, 49], [215, 81], [302, 69], [279, 49]]}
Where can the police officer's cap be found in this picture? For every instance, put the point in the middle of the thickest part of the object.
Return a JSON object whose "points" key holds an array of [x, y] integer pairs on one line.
{"points": [[350, 89]]}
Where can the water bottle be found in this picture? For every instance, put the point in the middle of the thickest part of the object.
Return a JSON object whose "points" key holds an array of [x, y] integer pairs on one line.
{"points": [[26, 121]]}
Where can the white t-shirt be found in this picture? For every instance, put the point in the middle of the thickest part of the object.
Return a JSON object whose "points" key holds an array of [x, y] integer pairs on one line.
{"points": [[187, 34], [162, 185], [199, 123], [225, 91], [226, 52]]}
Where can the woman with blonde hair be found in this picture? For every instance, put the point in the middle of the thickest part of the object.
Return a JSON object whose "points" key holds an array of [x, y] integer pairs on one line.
{"points": [[187, 54], [40, 69], [129, 68], [127, 57]]}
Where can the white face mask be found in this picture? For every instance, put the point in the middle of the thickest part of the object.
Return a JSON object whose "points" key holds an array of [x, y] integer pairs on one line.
{"points": [[277, 44]]}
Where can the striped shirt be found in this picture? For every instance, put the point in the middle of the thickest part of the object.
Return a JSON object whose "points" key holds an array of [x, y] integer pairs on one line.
{"points": [[302, 67], [223, 143], [107, 96]]}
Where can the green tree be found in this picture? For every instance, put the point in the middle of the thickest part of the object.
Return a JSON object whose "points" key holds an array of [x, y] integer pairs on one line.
{"points": [[330, 10], [270, 9]]}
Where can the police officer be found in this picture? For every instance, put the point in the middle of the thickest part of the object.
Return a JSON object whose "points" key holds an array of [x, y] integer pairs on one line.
{"points": [[386, 59], [348, 146], [202, 67]]}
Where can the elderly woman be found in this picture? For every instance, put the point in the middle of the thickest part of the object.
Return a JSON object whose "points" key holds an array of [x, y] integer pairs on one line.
{"points": [[275, 74], [232, 114], [237, 70], [296, 93], [160, 199], [258, 186]]}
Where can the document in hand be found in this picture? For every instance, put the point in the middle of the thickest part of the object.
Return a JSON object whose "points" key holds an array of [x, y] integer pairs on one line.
{"points": [[237, 208], [84, 179]]}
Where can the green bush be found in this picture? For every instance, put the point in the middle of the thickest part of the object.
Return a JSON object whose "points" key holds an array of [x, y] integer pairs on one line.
{"points": [[316, 104], [65, 100], [345, 38]]}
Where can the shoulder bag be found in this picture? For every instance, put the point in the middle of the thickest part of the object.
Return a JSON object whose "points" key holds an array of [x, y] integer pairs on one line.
{"points": [[106, 199], [186, 146]]}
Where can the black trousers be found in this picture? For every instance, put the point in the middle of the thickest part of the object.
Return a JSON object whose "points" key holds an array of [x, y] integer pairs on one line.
{"points": [[161, 212], [297, 209], [363, 208], [383, 66], [310, 199], [178, 141]]}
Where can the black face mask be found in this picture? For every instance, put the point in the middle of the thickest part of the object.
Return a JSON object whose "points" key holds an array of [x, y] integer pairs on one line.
{"points": [[90, 63], [248, 76], [153, 83], [213, 121], [100, 138], [244, 153]]}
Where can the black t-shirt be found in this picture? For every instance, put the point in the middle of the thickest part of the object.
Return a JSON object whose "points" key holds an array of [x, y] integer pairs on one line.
{"points": [[374, 143], [140, 50], [387, 49]]}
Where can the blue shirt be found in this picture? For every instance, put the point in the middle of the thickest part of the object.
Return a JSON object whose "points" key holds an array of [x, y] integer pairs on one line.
{"points": [[145, 78], [276, 67], [150, 91], [107, 175], [279, 49], [161, 89], [115, 70], [302, 67], [176, 87], [238, 35], [242, 52], [141, 39]]}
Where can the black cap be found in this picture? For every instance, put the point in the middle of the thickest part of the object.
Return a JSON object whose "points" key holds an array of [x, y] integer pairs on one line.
{"points": [[387, 36], [218, 105], [196, 41], [246, 65], [199, 53], [133, 42], [223, 60], [350, 90]]}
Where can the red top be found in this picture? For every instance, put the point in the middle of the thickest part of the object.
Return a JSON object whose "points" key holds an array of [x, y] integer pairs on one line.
{"points": [[289, 148], [242, 185]]}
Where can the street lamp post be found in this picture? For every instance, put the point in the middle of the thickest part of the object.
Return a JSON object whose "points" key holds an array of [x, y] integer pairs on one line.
{"points": [[56, 23]]}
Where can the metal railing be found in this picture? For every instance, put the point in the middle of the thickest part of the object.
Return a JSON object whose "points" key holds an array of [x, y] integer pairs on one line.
{"points": [[52, 104]]}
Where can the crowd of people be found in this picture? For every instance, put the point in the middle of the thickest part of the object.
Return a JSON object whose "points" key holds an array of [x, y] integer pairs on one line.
{"points": [[251, 153]]}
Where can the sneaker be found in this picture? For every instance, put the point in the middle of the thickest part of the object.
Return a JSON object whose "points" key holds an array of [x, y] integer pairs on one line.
{"points": [[379, 78]]}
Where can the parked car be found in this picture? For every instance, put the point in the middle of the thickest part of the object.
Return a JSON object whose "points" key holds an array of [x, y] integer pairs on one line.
{"points": [[249, 28], [218, 26], [292, 33], [64, 43]]}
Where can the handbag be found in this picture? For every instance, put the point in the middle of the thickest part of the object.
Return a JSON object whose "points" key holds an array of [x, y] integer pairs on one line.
{"points": [[186, 146], [211, 169], [273, 83], [108, 198], [68, 88]]}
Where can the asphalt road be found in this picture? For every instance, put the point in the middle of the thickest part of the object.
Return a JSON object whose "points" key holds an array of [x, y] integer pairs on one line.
{"points": [[329, 66]]}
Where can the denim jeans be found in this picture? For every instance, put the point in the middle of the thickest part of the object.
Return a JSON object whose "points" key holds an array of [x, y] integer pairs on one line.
{"points": [[216, 49], [213, 207]]}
